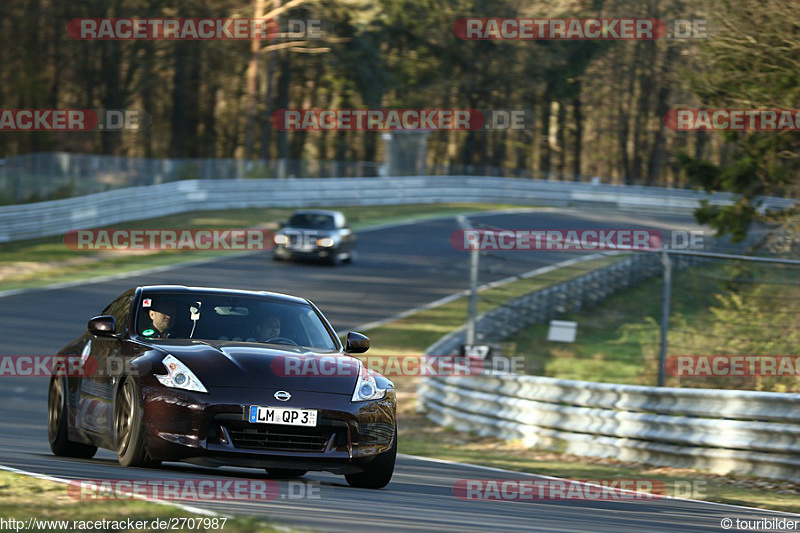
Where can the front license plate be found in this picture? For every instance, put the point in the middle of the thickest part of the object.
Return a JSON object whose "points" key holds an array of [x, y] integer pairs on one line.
{"points": [[283, 416]]}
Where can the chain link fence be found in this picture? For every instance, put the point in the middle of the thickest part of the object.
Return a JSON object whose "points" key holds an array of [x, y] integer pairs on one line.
{"points": [[721, 308], [595, 396], [734, 322]]}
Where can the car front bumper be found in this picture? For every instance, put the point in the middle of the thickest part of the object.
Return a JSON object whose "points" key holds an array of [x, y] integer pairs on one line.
{"points": [[213, 429], [305, 253]]}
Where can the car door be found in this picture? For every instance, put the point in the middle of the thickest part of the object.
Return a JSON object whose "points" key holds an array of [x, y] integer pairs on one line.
{"points": [[95, 414]]}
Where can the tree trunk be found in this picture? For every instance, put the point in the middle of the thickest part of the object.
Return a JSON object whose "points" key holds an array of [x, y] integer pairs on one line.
{"points": [[266, 133], [284, 85], [646, 88], [545, 152], [252, 85], [656, 159], [578, 141], [561, 140]]}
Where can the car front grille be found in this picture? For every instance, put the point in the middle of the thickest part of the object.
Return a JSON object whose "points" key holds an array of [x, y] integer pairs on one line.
{"points": [[281, 438]]}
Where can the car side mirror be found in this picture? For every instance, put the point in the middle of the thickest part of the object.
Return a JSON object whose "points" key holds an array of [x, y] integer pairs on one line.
{"points": [[102, 326], [356, 342]]}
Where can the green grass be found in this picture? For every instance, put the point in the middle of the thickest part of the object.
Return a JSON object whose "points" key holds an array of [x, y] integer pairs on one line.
{"points": [[618, 339], [24, 497], [38, 262], [412, 335]]}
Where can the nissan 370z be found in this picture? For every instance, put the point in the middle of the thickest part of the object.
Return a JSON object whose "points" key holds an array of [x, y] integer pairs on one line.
{"points": [[199, 375]]}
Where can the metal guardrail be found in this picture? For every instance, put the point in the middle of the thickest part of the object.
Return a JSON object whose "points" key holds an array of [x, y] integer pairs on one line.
{"points": [[722, 431], [43, 219]]}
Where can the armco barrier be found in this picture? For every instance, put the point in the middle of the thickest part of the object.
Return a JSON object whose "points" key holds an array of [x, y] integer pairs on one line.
{"points": [[724, 431], [56, 217]]}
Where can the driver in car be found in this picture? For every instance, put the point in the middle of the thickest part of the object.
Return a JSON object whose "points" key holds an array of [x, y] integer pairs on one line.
{"points": [[162, 313], [270, 331]]}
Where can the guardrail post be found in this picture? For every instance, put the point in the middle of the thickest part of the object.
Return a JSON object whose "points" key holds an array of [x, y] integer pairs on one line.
{"points": [[474, 258], [662, 355], [562, 297], [547, 295], [577, 302]]}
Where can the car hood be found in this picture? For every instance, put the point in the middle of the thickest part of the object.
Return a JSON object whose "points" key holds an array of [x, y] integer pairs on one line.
{"points": [[251, 365]]}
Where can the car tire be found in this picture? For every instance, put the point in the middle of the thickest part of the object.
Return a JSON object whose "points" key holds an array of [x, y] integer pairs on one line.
{"points": [[285, 473], [57, 424], [351, 257], [128, 428], [378, 472]]}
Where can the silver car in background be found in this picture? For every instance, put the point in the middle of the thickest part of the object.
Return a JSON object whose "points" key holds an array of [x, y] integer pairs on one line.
{"points": [[315, 234]]}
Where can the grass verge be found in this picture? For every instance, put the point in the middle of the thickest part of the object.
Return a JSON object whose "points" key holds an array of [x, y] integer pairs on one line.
{"points": [[618, 340], [54, 504], [716, 309], [412, 335]]}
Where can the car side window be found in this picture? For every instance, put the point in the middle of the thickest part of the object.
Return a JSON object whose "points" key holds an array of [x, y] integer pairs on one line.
{"points": [[120, 310]]}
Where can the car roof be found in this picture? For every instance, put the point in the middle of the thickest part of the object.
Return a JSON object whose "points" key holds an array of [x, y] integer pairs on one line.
{"points": [[224, 292], [338, 217], [318, 212]]}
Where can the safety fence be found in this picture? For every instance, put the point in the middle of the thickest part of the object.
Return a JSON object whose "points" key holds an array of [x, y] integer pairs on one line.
{"points": [[724, 431], [102, 209]]}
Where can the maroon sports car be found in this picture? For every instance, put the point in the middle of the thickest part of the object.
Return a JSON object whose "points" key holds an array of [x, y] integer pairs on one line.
{"points": [[174, 373]]}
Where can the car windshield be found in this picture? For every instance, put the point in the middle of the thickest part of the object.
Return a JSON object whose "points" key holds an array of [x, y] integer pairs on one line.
{"points": [[312, 221], [207, 316]]}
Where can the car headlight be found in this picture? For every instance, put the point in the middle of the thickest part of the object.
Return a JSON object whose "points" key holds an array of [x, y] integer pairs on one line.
{"points": [[281, 239], [326, 242], [367, 387], [179, 376]]}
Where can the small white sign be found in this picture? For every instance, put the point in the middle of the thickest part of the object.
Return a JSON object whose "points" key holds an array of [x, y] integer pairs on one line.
{"points": [[476, 350], [562, 331]]}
